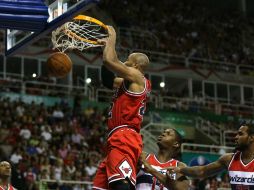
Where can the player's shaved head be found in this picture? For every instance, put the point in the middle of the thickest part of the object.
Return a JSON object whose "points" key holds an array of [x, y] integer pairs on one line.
{"points": [[141, 59]]}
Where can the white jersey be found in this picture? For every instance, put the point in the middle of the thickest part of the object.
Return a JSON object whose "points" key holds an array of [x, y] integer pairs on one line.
{"points": [[146, 181]]}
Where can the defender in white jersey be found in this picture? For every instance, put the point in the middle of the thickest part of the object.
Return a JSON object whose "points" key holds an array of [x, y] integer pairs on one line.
{"points": [[152, 176], [240, 164]]}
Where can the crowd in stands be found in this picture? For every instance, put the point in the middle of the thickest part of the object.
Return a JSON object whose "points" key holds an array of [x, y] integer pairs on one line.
{"points": [[198, 104], [212, 183], [41, 86], [189, 28], [56, 142]]}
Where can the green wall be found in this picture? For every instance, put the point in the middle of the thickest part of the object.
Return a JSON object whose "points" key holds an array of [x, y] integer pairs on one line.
{"points": [[48, 101]]}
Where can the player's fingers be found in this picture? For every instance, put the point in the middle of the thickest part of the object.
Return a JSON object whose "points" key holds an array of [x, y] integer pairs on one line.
{"points": [[143, 155], [111, 30], [102, 41], [143, 158], [172, 170], [171, 175]]}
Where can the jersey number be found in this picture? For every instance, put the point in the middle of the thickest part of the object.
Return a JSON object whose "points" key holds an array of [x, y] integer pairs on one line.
{"points": [[142, 109], [110, 110]]}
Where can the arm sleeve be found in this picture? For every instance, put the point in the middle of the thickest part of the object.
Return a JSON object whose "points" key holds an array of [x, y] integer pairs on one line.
{"points": [[107, 77]]}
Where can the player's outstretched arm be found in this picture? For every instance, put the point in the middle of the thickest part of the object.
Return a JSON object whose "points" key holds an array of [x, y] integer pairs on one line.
{"points": [[203, 171], [111, 61]]}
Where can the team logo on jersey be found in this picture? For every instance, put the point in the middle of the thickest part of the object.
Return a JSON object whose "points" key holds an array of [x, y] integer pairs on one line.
{"points": [[239, 177], [126, 169]]}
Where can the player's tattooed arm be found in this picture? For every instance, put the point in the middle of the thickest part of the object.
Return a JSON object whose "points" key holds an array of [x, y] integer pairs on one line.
{"points": [[202, 172]]}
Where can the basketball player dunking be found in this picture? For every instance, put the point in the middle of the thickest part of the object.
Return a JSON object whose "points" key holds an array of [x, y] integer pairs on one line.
{"points": [[124, 144], [153, 175], [5, 174], [240, 165]]}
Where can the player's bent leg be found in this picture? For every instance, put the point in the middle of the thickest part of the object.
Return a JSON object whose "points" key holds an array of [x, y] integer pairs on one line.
{"points": [[123, 184]]}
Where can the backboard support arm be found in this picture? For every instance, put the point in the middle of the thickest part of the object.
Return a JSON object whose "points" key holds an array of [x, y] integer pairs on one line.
{"points": [[52, 25]]}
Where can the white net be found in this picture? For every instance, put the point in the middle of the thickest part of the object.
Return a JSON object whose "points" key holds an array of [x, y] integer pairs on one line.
{"points": [[78, 34]]}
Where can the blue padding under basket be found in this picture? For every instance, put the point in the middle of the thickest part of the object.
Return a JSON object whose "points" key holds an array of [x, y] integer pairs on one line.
{"points": [[24, 18], [29, 15], [23, 22], [23, 9], [24, 2], [35, 27]]}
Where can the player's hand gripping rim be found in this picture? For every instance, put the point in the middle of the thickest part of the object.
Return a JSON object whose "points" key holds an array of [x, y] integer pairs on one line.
{"points": [[111, 36]]}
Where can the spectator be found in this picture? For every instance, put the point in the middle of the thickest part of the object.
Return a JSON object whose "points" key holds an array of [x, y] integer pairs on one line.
{"points": [[90, 168], [58, 169], [71, 169], [46, 134], [76, 137], [16, 156], [57, 113], [30, 178], [25, 132]]}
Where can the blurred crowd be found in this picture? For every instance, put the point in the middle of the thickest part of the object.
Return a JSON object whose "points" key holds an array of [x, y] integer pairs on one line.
{"points": [[57, 143], [212, 183], [189, 28]]}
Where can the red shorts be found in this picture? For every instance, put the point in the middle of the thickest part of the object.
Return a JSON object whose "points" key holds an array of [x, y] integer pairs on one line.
{"points": [[124, 147]]}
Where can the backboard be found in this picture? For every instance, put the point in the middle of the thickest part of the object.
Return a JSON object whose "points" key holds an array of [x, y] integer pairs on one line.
{"points": [[60, 11]]}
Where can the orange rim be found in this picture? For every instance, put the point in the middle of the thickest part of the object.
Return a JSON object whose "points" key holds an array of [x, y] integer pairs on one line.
{"points": [[85, 18], [91, 19]]}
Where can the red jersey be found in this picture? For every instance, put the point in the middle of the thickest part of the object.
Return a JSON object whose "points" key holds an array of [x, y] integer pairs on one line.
{"points": [[241, 175], [128, 108], [146, 181]]}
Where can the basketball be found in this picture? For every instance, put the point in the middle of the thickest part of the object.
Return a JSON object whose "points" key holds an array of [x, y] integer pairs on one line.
{"points": [[59, 65]]}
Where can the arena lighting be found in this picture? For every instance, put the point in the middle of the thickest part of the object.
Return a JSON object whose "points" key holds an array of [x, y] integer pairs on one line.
{"points": [[162, 84], [34, 75], [88, 80]]}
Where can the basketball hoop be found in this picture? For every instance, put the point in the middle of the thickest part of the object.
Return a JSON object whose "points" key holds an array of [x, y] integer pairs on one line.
{"points": [[81, 33]]}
